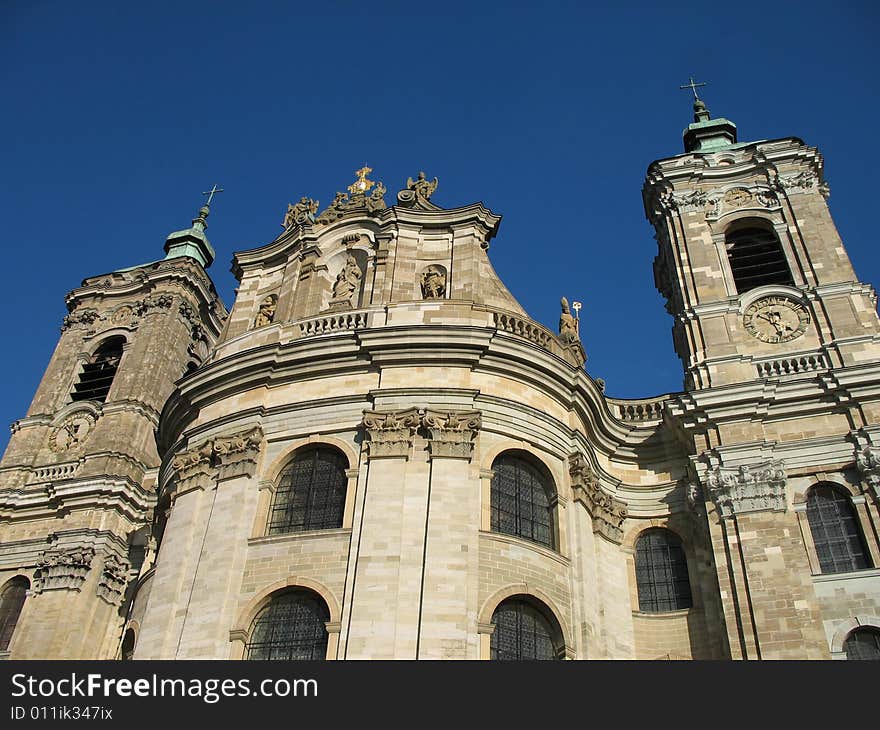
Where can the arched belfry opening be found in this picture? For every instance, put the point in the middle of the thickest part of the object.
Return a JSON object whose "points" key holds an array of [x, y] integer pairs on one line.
{"points": [[98, 373], [756, 256]]}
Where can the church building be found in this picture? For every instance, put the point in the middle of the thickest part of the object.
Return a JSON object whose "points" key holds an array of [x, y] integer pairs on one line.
{"points": [[377, 454]]}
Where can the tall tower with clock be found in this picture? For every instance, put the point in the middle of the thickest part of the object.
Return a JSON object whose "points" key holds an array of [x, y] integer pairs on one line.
{"points": [[77, 481], [780, 343]]}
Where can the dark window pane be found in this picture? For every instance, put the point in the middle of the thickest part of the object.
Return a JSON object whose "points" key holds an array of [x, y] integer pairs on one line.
{"points": [[756, 259], [863, 644], [11, 602], [661, 572], [840, 546], [310, 493], [98, 373], [519, 503], [521, 632], [292, 626]]}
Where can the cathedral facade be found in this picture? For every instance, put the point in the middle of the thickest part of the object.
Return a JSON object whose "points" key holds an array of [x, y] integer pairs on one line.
{"points": [[377, 454]]}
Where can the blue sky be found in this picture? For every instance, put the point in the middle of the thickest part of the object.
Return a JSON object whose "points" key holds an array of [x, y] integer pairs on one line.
{"points": [[118, 115]]}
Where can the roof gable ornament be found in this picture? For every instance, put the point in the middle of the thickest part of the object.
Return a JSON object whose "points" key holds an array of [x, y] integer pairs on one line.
{"points": [[418, 193], [356, 199]]}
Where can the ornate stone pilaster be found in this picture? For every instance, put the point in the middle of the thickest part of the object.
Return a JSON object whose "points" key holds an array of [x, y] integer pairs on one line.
{"points": [[114, 577], [868, 464], [236, 455], [221, 457], [755, 488], [452, 433], [390, 433], [63, 569], [607, 511]]}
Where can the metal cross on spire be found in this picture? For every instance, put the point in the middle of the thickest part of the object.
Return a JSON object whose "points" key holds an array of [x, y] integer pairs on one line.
{"points": [[693, 87], [210, 193]]}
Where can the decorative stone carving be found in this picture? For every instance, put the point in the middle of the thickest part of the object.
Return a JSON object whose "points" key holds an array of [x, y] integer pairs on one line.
{"points": [[376, 201], [452, 432], [359, 201], [303, 213], [236, 455], [568, 324], [348, 283], [63, 569], [267, 311], [767, 198], [193, 468], [154, 301], [390, 433], [114, 576], [868, 464], [671, 201], [222, 457], [694, 497], [608, 513], [801, 180], [85, 318], [335, 210], [433, 282], [756, 488]]}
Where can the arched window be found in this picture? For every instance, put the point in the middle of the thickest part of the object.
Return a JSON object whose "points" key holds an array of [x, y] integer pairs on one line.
{"points": [[520, 500], [840, 546], [863, 643], [756, 258], [310, 493], [662, 572], [292, 626], [11, 602], [523, 630], [127, 651], [98, 373]]}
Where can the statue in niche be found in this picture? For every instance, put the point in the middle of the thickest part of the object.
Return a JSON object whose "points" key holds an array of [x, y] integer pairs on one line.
{"points": [[568, 324], [434, 283], [303, 212], [348, 281], [267, 311], [422, 187]]}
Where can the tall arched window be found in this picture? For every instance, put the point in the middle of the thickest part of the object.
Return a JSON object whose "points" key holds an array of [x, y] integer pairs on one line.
{"points": [[662, 572], [520, 500], [863, 643], [98, 373], [525, 629], [11, 602], [128, 641], [292, 626], [310, 493], [756, 257], [839, 543]]}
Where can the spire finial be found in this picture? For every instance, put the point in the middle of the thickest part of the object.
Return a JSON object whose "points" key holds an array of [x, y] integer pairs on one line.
{"points": [[701, 113], [692, 85], [205, 210]]}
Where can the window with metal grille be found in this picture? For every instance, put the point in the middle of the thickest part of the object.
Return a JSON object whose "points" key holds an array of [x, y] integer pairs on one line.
{"points": [[519, 500], [98, 373], [839, 543], [522, 631], [863, 643], [310, 493], [11, 602], [292, 626], [756, 258], [662, 572]]}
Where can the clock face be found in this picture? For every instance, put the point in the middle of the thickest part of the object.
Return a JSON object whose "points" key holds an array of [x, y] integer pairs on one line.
{"points": [[776, 319], [71, 433]]}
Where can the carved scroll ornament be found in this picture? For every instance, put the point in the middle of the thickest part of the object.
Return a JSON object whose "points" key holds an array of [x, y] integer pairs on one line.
{"points": [[755, 488], [608, 512]]}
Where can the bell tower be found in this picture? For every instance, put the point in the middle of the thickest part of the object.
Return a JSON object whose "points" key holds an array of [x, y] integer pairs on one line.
{"points": [[750, 262], [77, 481]]}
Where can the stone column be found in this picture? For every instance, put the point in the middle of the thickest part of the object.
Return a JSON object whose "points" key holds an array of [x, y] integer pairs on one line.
{"points": [[767, 595], [448, 618], [384, 613], [197, 580]]}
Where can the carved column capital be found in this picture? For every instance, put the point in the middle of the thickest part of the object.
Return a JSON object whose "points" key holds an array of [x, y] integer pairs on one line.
{"points": [[221, 457], [114, 577], [63, 569], [868, 464], [452, 433], [608, 513], [390, 433], [748, 488]]}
